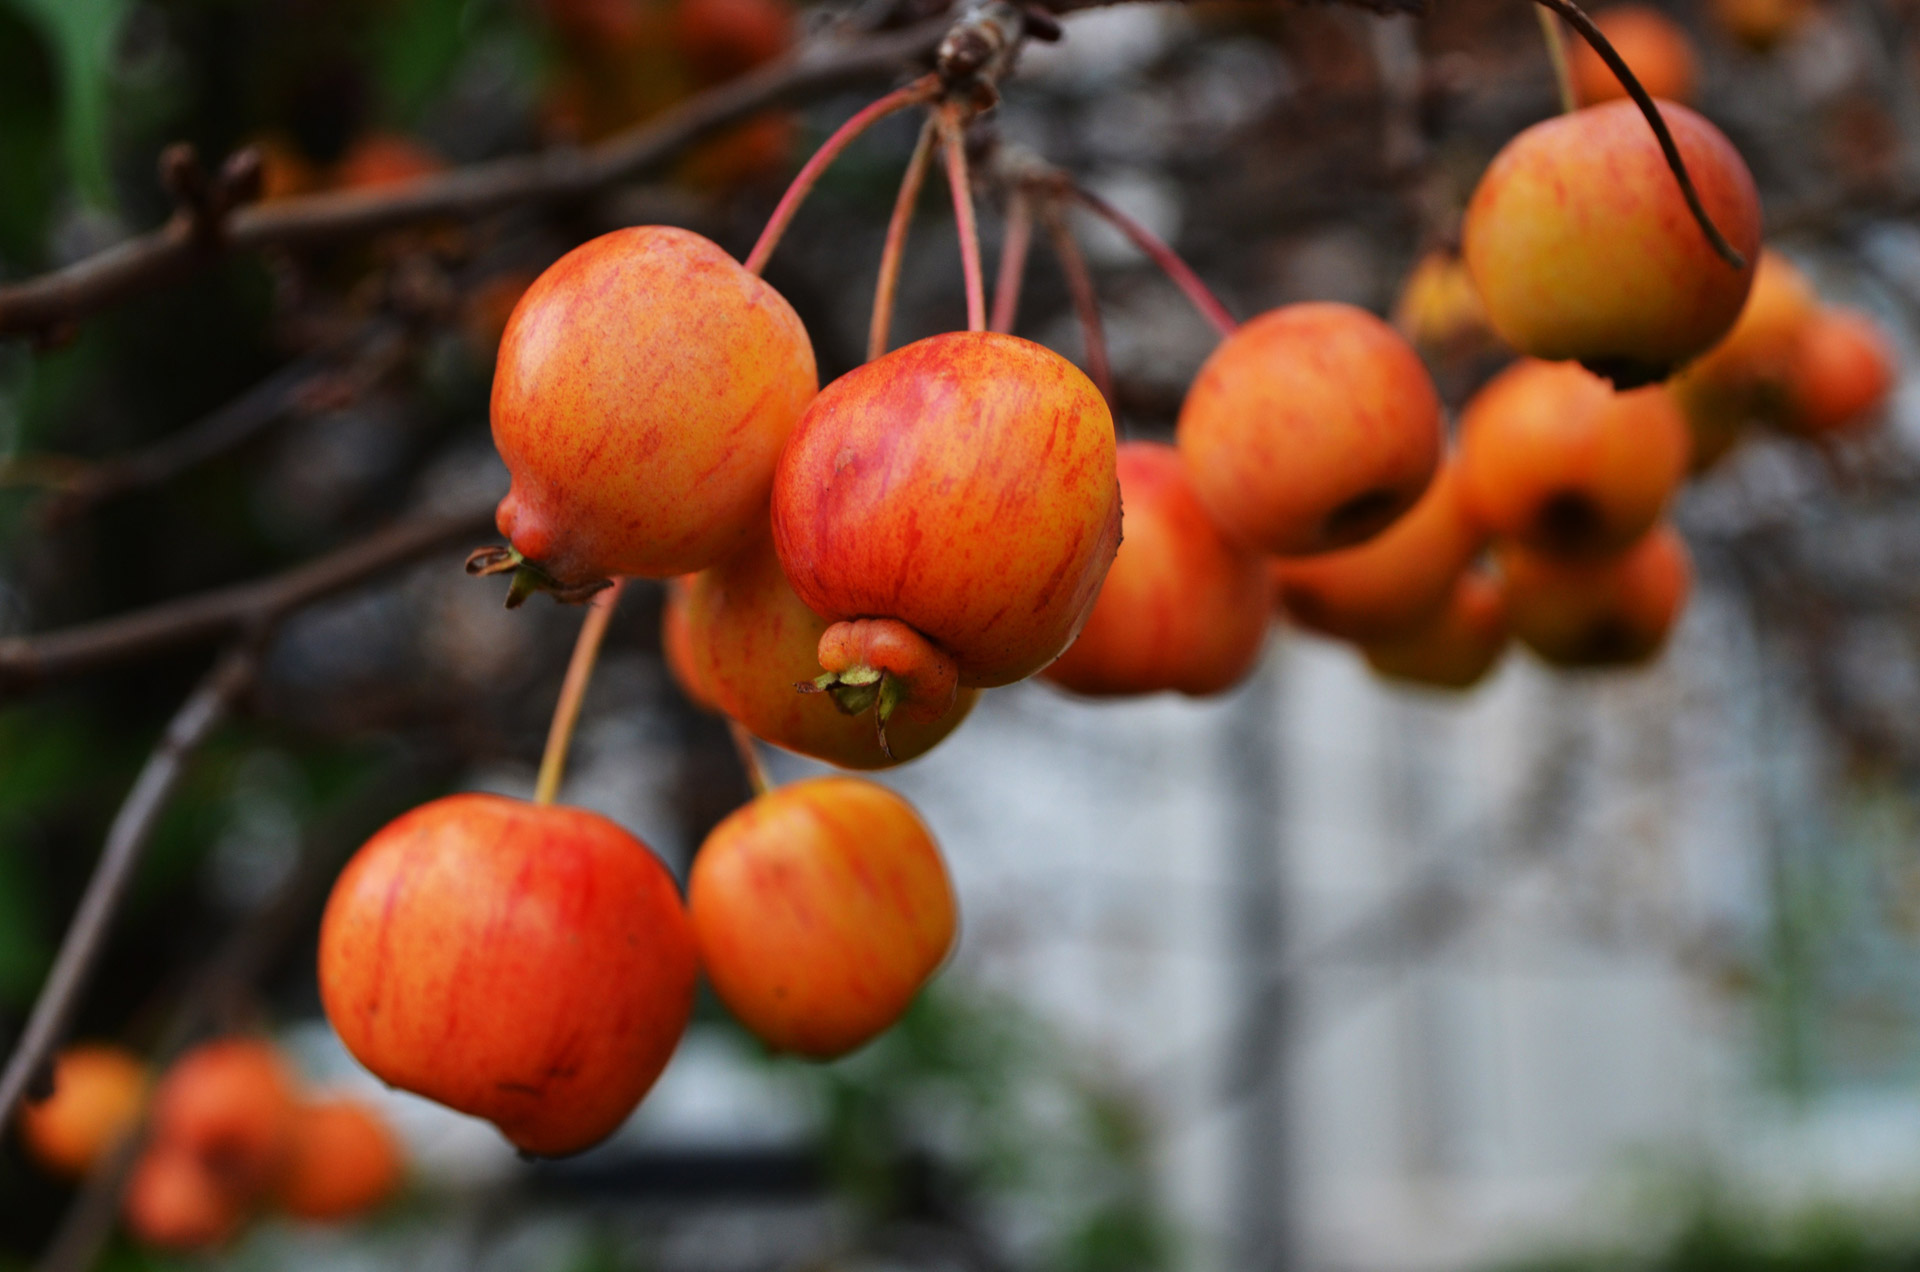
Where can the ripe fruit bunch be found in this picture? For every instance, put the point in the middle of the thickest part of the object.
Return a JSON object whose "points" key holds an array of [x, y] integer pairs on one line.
{"points": [[227, 1134]]}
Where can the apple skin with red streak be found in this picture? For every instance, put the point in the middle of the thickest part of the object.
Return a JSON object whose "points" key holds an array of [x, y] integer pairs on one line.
{"points": [[1581, 245], [964, 485], [821, 908], [1310, 428], [747, 641], [528, 964], [645, 386], [1182, 608]]}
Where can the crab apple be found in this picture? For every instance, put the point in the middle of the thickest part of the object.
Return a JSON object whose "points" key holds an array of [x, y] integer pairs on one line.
{"points": [[1839, 374], [1394, 581], [1582, 247], [676, 646], [961, 487], [230, 1104], [645, 386], [1310, 428], [98, 1094], [1552, 456], [748, 641], [344, 1161], [1743, 378], [1182, 608], [1456, 647], [1605, 613], [1655, 48], [529, 964], [1759, 24], [719, 39], [821, 908], [1438, 309], [380, 160], [174, 1202]]}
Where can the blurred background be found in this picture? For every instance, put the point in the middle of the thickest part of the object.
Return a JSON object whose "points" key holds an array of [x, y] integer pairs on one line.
{"points": [[1578, 970]]}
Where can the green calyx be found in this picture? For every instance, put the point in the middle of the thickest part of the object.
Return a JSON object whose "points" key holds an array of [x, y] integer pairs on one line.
{"points": [[528, 578], [858, 690]]}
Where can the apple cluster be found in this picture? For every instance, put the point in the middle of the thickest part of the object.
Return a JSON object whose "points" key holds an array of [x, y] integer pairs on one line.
{"points": [[851, 566], [225, 1133]]}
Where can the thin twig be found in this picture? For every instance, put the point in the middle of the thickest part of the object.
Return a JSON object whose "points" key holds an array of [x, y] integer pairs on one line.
{"points": [[26, 660], [178, 249], [573, 691], [955, 146], [921, 90], [1013, 261], [1577, 18], [132, 827], [1162, 255], [1086, 304], [1556, 41], [896, 245], [749, 754]]}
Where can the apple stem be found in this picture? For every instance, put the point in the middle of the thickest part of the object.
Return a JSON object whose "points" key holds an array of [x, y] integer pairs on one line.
{"points": [[955, 147], [1013, 261], [921, 90], [1086, 304], [1577, 18], [749, 757], [1557, 56], [573, 689], [1165, 257], [896, 246]]}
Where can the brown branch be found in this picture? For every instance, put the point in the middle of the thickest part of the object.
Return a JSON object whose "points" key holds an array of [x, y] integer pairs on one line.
{"points": [[26, 660], [126, 838], [1577, 19], [182, 246]]}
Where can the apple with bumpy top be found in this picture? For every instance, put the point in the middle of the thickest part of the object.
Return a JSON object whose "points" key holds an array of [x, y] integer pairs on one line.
{"points": [[952, 506], [529, 964], [645, 386], [1582, 247], [1310, 428]]}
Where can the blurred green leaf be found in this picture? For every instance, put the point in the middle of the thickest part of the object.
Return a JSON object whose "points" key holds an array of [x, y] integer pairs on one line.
{"points": [[416, 48], [28, 142], [83, 34]]}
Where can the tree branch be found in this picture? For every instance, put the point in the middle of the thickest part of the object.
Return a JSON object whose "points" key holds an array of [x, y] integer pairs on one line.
{"points": [[182, 246], [27, 660], [126, 838]]}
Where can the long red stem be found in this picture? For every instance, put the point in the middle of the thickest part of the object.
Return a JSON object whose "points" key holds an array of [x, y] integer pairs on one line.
{"points": [[1085, 303], [921, 90], [1013, 261], [896, 246], [956, 154], [1165, 257], [573, 690]]}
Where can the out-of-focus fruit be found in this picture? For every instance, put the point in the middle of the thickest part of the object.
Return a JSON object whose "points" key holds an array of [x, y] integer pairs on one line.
{"points": [[1311, 427], [1582, 247], [720, 39], [1181, 608], [378, 160], [962, 487], [174, 1202], [228, 1103], [1552, 456], [1606, 613], [821, 909], [529, 964], [645, 387], [98, 1094], [1454, 649], [1396, 580], [1655, 48], [1760, 24], [344, 1161], [1839, 375], [1438, 309], [1742, 380]]}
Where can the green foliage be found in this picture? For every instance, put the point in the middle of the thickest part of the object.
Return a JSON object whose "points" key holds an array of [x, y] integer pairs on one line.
{"points": [[82, 35], [417, 47]]}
